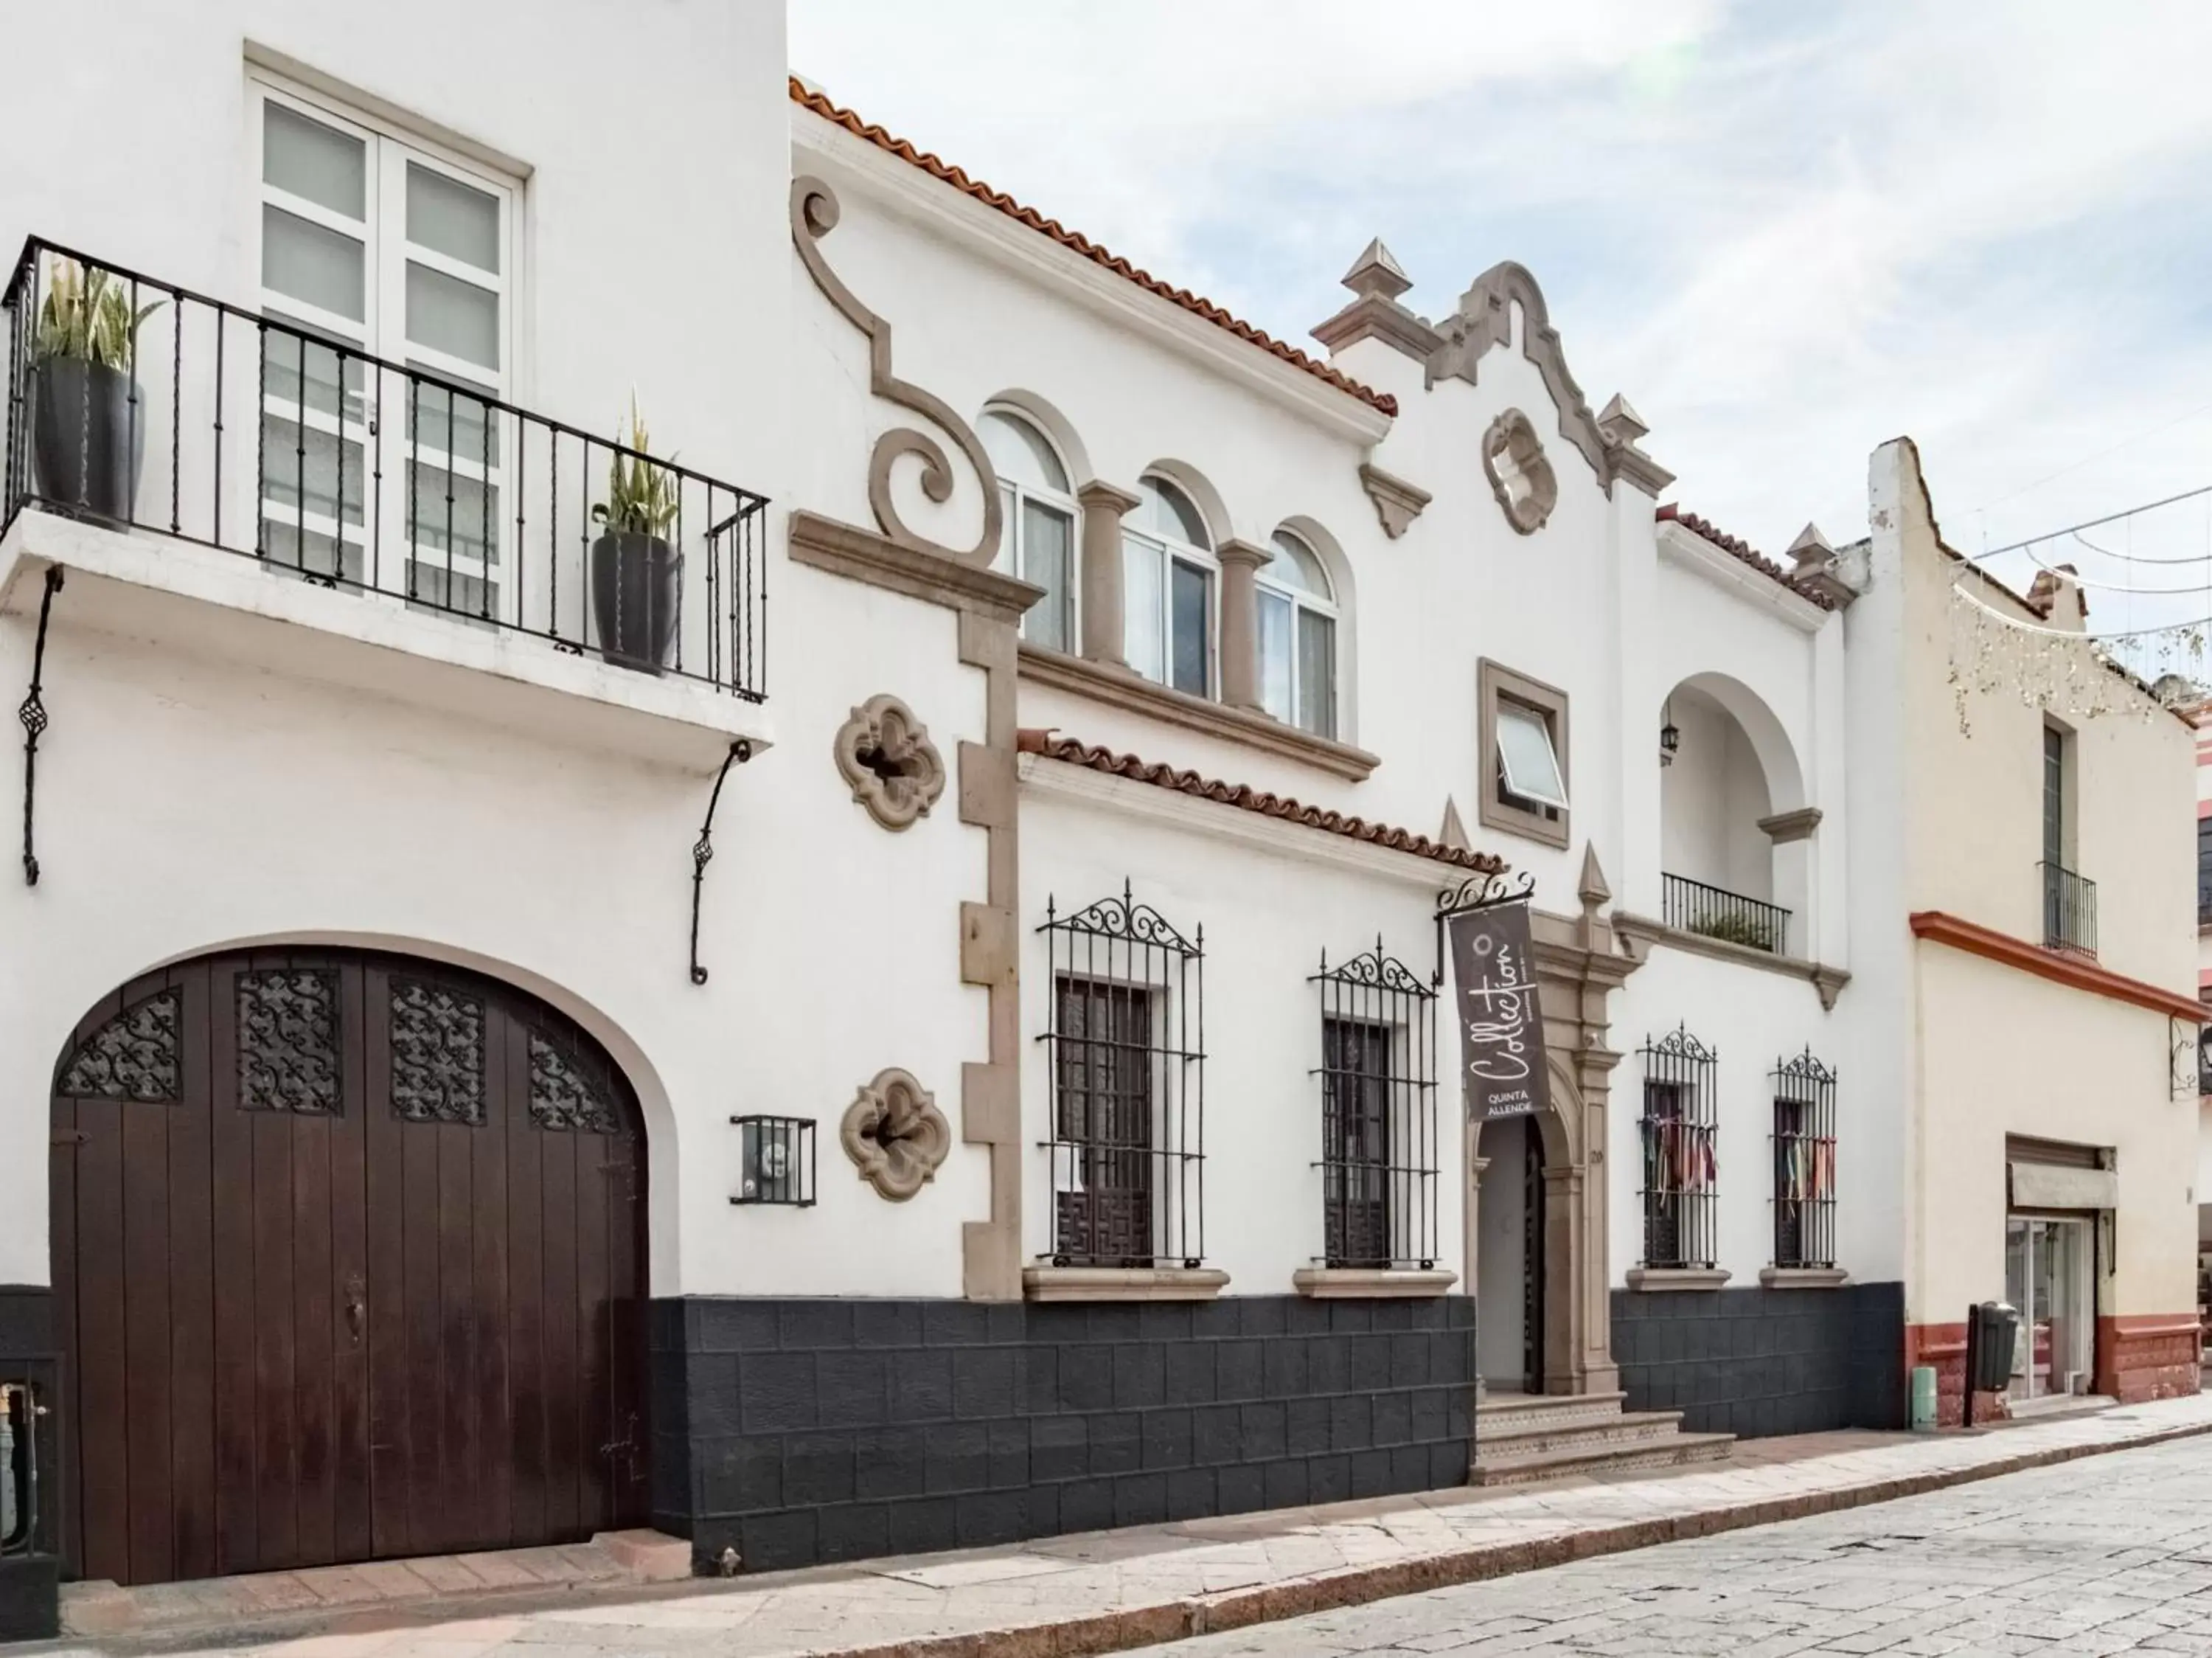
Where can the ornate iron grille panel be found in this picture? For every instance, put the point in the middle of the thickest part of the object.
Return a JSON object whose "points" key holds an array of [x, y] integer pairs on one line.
{"points": [[287, 1041], [1379, 1111], [1680, 1178], [1126, 1040], [132, 1057], [437, 1053], [776, 1160], [566, 1094], [1804, 1162]]}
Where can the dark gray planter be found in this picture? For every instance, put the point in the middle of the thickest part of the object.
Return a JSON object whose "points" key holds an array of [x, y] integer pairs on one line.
{"points": [[637, 581], [88, 449]]}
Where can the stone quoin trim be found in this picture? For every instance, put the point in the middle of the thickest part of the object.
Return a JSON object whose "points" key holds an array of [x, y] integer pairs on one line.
{"points": [[1079, 243], [1049, 745]]}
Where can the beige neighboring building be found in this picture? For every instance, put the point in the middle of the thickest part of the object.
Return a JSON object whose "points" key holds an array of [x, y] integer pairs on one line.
{"points": [[2202, 713], [2044, 989]]}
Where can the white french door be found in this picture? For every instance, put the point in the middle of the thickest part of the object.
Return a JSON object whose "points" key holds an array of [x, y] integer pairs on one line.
{"points": [[2049, 1265], [372, 243]]}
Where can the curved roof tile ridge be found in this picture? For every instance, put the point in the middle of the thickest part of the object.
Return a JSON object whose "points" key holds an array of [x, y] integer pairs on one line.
{"points": [[1197, 304], [1738, 548], [1093, 757]]}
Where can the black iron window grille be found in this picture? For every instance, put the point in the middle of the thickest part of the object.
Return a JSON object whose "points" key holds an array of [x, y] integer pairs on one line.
{"points": [[775, 1160], [1378, 1113], [1680, 1179], [27, 1461], [216, 424], [1127, 1043], [2203, 871], [1716, 913], [1804, 1162], [2069, 909]]}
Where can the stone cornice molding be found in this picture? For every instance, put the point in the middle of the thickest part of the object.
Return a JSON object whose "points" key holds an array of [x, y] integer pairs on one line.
{"points": [[1940, 926], [1786, 826], [1123, 688], [1377, 316], [1099, 493], [1686, 550], [863, 555], [1397, 503], [1639, 933], [1484, 318], [814, 214]]}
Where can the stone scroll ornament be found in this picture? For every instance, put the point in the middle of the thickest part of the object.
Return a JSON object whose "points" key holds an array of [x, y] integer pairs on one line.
{"points": [[894, 1135], [886, 755], [814, 214]]}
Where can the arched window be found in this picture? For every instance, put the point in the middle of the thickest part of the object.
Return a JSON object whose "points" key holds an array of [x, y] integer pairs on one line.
{"points": [[1297, 638], [1167, 562], [1039, 541]]}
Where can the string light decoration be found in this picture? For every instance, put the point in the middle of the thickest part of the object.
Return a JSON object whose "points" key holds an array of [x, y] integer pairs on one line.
{"points": [[2078, 676]]}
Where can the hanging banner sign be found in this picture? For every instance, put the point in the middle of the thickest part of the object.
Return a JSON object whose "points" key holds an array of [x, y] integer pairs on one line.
{"points": [[1501, 1025]]}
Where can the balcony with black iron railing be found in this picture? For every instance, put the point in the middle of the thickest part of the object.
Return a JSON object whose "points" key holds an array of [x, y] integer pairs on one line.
{"points": [[141, 415], [1714, 912], [2069, 909]]}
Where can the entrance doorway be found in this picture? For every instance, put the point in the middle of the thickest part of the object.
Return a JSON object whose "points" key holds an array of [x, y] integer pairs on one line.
{"points": [[1509, 1256], [2050, 1277], [349, 1263]]}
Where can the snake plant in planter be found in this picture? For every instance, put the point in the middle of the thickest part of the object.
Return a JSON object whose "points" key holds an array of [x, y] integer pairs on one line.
{"points": [[88, 436], [636, 572]]}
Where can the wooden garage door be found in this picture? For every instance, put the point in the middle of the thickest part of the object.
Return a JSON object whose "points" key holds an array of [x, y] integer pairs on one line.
{"points": [[349, 1263]]}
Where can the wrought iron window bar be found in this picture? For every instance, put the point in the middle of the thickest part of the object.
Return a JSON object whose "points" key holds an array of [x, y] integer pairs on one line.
{"points": [[1126, 1041], [1711, 912], [311, 456], [1804, 1091], [1378, 1089], [775, 1160], [2069, 909], [1681, 1178]]}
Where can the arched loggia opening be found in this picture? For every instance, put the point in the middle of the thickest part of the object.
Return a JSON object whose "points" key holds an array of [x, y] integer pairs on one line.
{"points": [[350, 1261], [1732, 827], [1522, 1200]]}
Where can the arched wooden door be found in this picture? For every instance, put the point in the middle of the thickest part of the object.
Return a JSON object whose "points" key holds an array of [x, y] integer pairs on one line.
{"points": [[349, 1258]]}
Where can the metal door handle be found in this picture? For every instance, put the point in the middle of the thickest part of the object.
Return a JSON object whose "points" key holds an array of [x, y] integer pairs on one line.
{"points": [[356, 1306]]}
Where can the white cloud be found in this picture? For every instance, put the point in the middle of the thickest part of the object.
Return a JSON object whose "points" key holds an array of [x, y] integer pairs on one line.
{"points": [[1787, 233]]}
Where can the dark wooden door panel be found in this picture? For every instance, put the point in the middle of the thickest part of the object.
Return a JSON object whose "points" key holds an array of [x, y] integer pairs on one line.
{"points": [[329, 1293]]}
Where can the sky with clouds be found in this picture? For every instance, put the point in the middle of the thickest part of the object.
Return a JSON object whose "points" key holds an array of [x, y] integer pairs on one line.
{"points": [[1786, 231]]}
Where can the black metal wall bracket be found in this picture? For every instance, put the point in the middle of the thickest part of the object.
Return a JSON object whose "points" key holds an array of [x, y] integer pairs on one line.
{"points": [[1478, 892], [33, 713], [702, 852]]}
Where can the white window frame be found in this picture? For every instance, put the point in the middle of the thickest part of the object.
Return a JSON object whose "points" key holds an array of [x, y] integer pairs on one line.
{"points": [[381, 332], [1013, 550], [1171, 552], [1299, 599]]}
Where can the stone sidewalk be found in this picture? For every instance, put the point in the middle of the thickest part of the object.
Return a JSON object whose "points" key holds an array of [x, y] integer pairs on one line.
{"points": [[1112, 1591]]}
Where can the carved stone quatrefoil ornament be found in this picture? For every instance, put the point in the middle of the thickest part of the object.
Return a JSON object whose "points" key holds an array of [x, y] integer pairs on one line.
{"points": [[885, 753], [894, 1135], [1520, 474]]}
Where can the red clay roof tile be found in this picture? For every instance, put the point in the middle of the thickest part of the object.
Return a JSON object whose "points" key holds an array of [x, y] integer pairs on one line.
{"points": [[1075, 240], [1033, 741], [1737, 547]]}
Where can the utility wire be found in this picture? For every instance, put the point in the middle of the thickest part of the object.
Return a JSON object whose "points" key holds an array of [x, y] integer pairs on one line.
{"points": [[2088, 524]]}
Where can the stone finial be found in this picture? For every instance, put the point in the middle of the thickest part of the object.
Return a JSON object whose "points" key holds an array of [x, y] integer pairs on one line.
{"points": [[1814, 564], [1811, 547], [1620, 423], [1592, 888], [1454, 833], [1376, 270], [1623, 432]]}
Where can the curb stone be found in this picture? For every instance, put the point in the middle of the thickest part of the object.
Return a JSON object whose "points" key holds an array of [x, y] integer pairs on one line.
{"points": [[1134, 1627]]}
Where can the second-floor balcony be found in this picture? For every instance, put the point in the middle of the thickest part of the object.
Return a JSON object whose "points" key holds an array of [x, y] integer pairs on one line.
{"points": [[148, 425], [1717, 913], [2069, 909]]}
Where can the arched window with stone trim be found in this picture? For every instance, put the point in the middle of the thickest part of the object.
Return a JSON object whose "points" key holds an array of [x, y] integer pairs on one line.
{"points": [[1297, 637], [1168, 581], [1039, 541]]}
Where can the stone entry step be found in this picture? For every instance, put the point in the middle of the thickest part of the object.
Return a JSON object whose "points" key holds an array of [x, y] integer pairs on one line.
{"points": [[101, 1607], [1523, 1437]]}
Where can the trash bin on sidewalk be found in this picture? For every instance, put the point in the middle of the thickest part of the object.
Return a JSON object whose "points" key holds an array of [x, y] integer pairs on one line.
{"points": [[1992, 1329]]}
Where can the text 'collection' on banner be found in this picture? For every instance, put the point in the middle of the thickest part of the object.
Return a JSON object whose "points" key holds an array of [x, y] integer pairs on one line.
{"points": [[1501, 1024]]}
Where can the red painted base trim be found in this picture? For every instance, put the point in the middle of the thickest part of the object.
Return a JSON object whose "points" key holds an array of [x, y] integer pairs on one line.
{"points": [[2148, 1356], [1944, 1347]]}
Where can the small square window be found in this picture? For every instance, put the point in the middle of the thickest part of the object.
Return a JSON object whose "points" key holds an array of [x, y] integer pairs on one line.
{"points": [[1521, 725]]}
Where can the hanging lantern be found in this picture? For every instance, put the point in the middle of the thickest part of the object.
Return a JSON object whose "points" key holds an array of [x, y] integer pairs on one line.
{"points": [[1670, 736]]}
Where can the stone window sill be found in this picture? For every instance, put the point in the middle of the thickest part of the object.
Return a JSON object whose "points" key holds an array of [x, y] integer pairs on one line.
{"points": [[1642, 932], [1119, 687], [1366, 1283], [1122, 1283], [1653, 1279], [1804, 1277]]}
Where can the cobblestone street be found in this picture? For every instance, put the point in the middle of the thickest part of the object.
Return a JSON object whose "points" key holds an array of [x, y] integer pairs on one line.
{"points": [[2108, 1555]]}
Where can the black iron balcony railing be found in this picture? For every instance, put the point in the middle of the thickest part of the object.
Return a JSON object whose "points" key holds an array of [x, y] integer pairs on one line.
{"points": [[217, 425], [1716, 913], [2069, 909]]}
